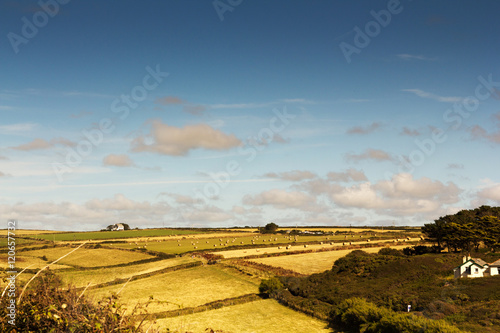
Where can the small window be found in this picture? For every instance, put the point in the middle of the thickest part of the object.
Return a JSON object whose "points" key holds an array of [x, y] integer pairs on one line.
{"points": [[477, 270]]}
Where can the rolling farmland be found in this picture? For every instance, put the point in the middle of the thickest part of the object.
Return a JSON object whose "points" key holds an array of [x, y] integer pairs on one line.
{"points": [[168, 270]]}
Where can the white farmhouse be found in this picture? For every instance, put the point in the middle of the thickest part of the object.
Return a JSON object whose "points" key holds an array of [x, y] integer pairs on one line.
{"points": [[117, 227], [476, 267]]}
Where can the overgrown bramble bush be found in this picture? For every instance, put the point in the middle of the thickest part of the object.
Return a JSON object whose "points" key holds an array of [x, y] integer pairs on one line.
{"points": [[47, 307], [270, 286]]}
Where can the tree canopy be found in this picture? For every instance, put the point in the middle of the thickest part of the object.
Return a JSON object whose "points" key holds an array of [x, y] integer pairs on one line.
{"points": [[466, 229], [270, 228]]}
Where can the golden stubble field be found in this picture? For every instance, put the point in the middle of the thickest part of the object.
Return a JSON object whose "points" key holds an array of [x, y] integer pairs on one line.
{"points": [[317, 262]]}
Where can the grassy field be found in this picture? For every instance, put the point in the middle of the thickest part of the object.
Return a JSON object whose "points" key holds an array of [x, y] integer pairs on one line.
{"points": [[19, 241], [266, 316], [84, 257], [191, 243], [27, 232], [81, 278], [310, 263], [95, 235], [259, 251], [23, 261], [179, 289]]}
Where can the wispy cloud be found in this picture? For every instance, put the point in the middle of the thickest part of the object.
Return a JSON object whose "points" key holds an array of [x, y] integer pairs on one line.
{"points": [[479, 132], [428, 95], [81, 114], [117, 160], [364, 130], [16, 128], [409, 132], [39, 144], [169, 100], [242, 105], [369, 154], [406, 56], [295, 175], [456, 166]]}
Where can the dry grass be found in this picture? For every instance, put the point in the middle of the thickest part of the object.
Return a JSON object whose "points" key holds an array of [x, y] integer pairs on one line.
{"points": [[23, 261], [266, 316], [21, 232], [310, 263], [88, 257], [81, 278], [180, 289]]}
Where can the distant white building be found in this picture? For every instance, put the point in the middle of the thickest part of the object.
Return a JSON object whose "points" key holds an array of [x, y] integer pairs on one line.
{"points": [[476, 267], [117, 227]]}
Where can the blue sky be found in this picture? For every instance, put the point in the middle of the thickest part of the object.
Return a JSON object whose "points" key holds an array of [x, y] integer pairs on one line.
{"points": [[235, 113]]}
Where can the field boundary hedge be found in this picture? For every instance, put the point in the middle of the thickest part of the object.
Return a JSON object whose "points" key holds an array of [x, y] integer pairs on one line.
{"points": [[208, 306], [266, 268], [144, 275]]}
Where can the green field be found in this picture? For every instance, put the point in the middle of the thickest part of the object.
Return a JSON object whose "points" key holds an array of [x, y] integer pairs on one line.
{"points": [[180, 289], [95, 235], [266, 316], [84, 257], [192, 244], [80, 278]]}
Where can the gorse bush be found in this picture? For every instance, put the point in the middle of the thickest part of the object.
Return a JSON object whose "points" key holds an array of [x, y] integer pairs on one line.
{"points": [[270, 286], [358, 315]]}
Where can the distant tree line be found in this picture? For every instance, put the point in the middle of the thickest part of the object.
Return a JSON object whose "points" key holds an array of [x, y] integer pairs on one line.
{"points": [[467, 229]]}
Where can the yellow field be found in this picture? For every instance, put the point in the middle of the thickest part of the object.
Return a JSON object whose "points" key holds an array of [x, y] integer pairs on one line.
{"points": [[266, 316], [88, 257], [20, 232], [263, 250], [23, 261], [310, 263], [81, 278], [184, 288]]}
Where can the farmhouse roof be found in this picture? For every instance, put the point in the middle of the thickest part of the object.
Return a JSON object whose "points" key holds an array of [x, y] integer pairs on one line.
{"points": [[476, 261], [479, 261], [496, 263]]}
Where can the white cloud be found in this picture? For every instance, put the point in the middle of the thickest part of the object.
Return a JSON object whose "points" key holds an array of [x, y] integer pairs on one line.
{"points": [[280, 199], [117, 160], [170, 140], [36, 144], [348, 175], [490, 193], [398, 196], [95, 214]]}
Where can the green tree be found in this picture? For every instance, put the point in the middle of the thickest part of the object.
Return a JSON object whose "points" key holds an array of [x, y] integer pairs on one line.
{"points": [[270, 228], [270, 286]]}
